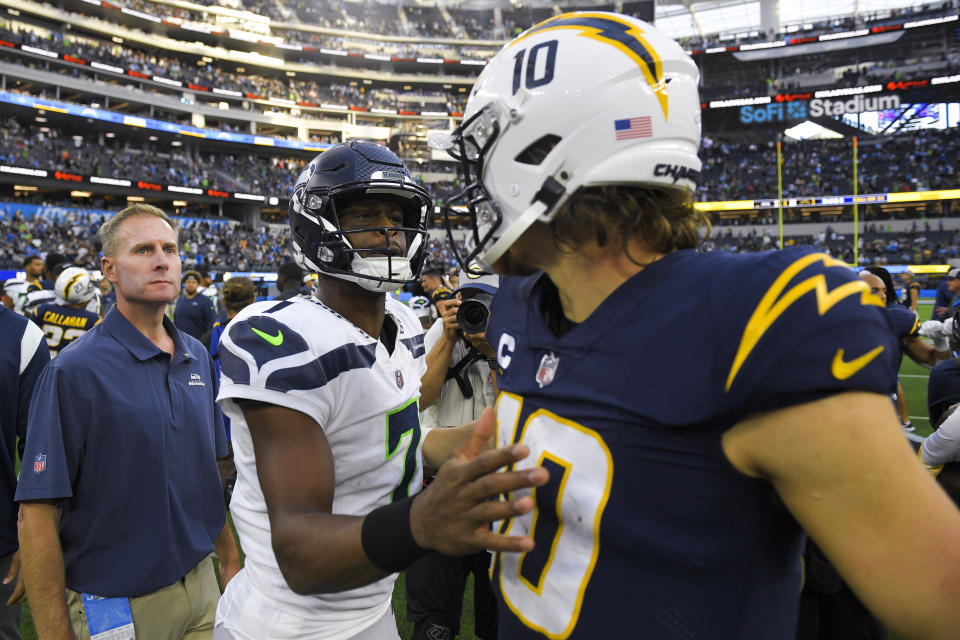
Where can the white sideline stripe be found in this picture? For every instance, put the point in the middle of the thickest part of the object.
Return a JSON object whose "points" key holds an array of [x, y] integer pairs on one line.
{"points": [[919, 418], [912, 375]]}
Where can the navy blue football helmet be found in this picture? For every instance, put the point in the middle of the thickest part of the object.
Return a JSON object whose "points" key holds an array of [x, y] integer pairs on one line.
{"points": [[335, 179]]}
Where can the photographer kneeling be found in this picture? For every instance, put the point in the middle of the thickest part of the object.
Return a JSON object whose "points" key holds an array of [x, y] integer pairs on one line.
{"points": [[458, 385]]}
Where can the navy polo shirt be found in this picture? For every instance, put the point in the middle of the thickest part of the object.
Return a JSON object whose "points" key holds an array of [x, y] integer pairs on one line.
{"points": [[194, 316], [23, 353], [129, 440]]}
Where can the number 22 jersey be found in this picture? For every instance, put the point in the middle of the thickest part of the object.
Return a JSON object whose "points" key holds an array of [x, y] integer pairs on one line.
{"points": [[645, 530]]}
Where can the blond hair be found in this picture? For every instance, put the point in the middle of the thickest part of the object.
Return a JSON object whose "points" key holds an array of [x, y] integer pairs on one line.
{"points": [[663, 220], [109, 239]]}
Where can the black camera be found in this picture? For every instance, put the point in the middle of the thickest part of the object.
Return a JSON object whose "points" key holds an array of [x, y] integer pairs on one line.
{"points": [[474, 313]]}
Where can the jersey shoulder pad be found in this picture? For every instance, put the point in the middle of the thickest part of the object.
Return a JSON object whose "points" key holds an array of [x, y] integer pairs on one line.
{"points": [[804, 322], [905, 322], [293, 344]]}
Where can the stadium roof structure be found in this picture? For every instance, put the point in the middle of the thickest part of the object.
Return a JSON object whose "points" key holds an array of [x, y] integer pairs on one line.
{"points": [[739, 18]]}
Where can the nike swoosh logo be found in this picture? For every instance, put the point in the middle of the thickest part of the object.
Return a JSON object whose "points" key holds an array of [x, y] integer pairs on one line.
{"points": [[276, 340], [842, 369]]}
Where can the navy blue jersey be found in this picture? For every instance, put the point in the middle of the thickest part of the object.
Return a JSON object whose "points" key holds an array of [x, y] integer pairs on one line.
{"points": [[645, 529], [905, 324], [62, 325], [943, 389]]}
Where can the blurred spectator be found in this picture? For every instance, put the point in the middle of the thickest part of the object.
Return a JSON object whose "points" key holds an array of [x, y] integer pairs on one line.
{"points": [[289, 280], [194, 313]]}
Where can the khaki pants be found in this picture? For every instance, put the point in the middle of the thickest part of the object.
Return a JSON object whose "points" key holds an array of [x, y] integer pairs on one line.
{"points": [[185, 610]]}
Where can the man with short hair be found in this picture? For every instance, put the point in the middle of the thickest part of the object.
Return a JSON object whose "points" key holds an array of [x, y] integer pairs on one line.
{"points": [[33, 268], [122, 506], [687, 455], [911, 290], [431, 280], [194, 313], [41, 291]]}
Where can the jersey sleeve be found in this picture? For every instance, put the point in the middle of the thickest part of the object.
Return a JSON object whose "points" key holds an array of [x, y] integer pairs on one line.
{"points": [[432, 336], [34, 355], [905, 323], [265, 360], [804, 327], [54, 440]]}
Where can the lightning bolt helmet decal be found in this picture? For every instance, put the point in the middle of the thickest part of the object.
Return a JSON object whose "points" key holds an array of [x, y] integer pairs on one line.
{"points": [[613, 30]]}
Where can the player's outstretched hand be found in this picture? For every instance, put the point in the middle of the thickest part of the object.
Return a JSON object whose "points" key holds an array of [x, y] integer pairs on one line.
{"points": [[454, 513]]}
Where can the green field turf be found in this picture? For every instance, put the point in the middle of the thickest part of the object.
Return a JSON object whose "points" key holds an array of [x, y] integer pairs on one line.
{"points": [[912, 376]]}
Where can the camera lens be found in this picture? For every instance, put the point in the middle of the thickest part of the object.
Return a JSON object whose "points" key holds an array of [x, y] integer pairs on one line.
{"points": [[473, 316]]}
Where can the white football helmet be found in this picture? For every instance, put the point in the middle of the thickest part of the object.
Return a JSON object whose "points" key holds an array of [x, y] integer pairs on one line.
{"points": [[420, 306], [582, 99], [74, 286]]}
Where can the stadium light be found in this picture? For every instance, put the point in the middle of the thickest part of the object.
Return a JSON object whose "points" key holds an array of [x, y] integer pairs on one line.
{"points": [[24, 187], [80, 194], [135, 198]]}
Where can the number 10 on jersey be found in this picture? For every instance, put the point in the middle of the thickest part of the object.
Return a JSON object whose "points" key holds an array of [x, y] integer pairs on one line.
{"points": [[545, 587]]}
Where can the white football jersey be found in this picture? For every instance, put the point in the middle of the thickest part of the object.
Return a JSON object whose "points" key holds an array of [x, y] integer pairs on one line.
{"points": [[300, 354], [16, 290], [214, 295]]}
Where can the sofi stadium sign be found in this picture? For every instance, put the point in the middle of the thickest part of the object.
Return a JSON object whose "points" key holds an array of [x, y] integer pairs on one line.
{"points": [[779, 112]]}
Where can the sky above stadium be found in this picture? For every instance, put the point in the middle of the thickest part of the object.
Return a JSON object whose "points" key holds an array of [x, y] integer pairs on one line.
{"points": [[737, 16]]}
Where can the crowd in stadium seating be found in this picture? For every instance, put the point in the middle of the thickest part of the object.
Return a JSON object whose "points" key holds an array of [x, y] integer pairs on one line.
{"points": [[833, 25], [54, 150], [210, 76], [480, 24], [210, 245], [918, 161], [42, 147], [877, 247], [219, 245]]}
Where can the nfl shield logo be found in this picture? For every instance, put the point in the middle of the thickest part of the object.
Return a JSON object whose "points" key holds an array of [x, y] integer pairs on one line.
{"points": [[399, 378], [40, 463], [547, 370]]}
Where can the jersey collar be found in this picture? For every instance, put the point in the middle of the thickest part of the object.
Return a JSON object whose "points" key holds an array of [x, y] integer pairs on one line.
{"points": [[138, 344]]}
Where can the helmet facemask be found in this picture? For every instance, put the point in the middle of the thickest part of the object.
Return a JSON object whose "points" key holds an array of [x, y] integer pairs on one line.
{"points": [[471, 143], [324, 246]]}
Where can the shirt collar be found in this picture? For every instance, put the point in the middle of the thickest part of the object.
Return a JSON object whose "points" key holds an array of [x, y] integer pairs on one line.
{"points": [[138, 344]]}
